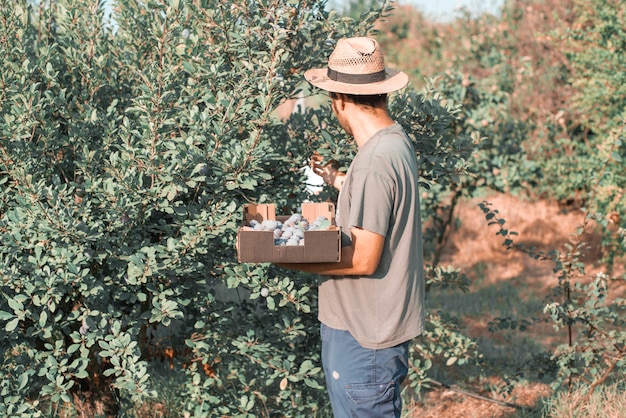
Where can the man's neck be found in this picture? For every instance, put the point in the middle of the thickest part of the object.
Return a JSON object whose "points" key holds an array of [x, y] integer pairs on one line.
{"points": [[366, 124]]}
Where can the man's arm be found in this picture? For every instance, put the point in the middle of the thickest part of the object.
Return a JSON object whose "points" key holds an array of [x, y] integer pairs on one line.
{"points": [[359, 259]]}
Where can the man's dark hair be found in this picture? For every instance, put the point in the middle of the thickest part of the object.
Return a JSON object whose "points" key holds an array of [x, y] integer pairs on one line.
{"points": [[373, 100]]}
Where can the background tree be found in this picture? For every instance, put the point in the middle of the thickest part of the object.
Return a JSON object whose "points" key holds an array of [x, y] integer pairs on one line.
{"points": [[531, 81]]}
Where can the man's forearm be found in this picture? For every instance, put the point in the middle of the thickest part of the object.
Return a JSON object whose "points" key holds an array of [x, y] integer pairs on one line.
{"points": [[359, 259]]}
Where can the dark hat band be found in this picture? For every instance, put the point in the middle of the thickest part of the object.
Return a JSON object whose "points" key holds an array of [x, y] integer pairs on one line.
{"points": [[356, 78]]}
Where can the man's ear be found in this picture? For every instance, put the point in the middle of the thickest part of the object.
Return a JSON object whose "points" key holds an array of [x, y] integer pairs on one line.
{"points": [[341, 100]]}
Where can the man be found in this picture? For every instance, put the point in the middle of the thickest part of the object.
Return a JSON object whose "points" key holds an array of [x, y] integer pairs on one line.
{"points": [[371, 302]]}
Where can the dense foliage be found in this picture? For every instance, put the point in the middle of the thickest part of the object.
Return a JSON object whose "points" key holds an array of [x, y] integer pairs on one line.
{"points": [[128, 147]]}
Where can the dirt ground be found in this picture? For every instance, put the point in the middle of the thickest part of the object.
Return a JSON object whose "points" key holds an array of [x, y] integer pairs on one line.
{"points": [[477, 250], [450, 404]]}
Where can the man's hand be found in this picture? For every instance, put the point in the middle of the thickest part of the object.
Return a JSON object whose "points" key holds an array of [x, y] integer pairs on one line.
{"points": [[328, 171]]}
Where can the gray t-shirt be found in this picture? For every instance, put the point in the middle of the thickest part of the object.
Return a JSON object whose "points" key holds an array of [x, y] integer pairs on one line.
{"points": [[380, 194]]}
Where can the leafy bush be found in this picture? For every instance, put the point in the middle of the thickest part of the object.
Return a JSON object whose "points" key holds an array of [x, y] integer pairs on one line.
{"points": [[128, 149]]}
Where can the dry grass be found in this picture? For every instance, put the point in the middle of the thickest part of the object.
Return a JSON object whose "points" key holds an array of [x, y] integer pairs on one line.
{"points": [[606, 402], [450, 404]]}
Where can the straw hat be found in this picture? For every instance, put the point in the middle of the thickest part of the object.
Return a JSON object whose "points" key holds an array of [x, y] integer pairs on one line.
{"points": [[357, 66]]}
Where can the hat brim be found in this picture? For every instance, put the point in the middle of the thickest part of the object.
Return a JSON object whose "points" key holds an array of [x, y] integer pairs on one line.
{"points": [[394, 80]]}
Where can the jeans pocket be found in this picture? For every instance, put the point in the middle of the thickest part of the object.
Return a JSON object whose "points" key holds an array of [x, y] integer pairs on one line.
{"points": [[372, 399]]}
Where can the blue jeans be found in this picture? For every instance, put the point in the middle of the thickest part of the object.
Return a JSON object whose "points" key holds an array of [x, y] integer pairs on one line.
{"points": [[362, 382]]}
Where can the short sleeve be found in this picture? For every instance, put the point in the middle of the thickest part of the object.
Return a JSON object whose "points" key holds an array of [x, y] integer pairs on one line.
{"points": [[372, 201]]}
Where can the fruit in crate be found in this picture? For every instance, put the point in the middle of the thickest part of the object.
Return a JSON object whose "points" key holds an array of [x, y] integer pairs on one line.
{"points": [[291, 231]]}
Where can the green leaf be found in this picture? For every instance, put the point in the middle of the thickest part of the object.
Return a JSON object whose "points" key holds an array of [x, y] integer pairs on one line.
{"points": [[22, 381], [82, 374], [616, 156], [189, 67], [16, 305], [11, 325], [312, 383], [5, 315], [43, 317], [306, 366]]}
